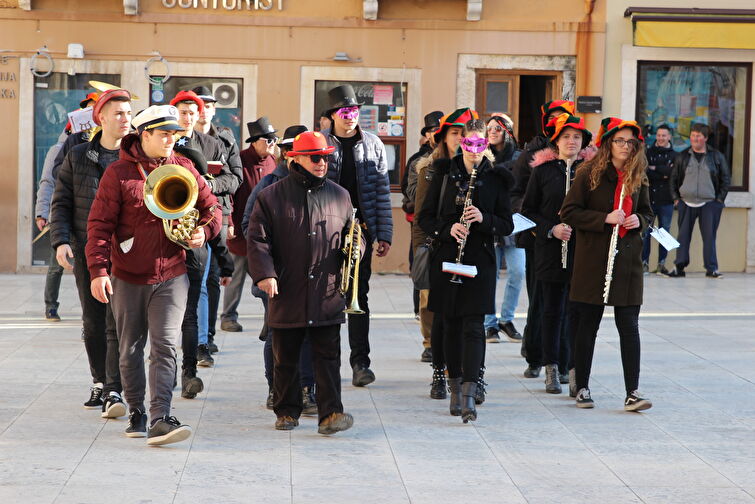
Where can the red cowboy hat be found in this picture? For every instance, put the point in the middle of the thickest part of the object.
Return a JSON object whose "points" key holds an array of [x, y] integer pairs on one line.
{"points": [[188, 96], [310, 142]]}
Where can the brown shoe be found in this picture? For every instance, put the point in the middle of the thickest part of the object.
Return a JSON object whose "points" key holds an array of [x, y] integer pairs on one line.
{"points": [[231, 326], [335, 422], [286, 423]]}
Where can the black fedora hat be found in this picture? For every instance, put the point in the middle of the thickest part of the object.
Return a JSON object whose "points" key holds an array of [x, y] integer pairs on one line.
{"points": [[432, 121], [205, 94], [342, 96], [260, 128], [290, 134]]}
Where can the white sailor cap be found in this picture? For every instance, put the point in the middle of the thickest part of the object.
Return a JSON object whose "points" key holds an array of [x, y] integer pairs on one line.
{"points": [[164, 117]]}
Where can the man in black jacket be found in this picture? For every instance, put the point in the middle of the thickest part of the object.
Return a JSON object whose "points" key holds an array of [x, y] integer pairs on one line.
{"points": [[699, 184], [660, 161], [75, 188]]}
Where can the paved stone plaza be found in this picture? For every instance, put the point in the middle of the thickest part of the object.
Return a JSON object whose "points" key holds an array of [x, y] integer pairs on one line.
{"points": [[697, 444]]}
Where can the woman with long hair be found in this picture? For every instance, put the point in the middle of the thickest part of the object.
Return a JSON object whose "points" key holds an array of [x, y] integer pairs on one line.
{"points": [[454, 221], [609, 225], [569, 139]]}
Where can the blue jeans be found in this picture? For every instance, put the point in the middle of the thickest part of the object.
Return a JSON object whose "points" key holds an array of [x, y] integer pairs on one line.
{"points": [[664, 213], [203, 310], [514, 279]]}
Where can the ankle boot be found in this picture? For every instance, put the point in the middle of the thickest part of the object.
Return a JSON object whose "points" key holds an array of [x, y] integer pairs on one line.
{"points": [[438, 387], [468, 410], [552, 383], [454, 384], [479, 397]]}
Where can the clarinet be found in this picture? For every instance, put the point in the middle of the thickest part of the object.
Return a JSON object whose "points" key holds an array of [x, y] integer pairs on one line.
{"points": [[565, 244], [467, 203], [613, 249]]}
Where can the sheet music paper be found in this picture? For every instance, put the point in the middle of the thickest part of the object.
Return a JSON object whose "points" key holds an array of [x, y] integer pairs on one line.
{"points": [[664, 238], [460, 269], [81, 120], [521, 223]]}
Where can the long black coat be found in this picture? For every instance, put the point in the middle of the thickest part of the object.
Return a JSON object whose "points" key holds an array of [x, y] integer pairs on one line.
{"points": [[542, 203], [491, 196], [295, 235], [586, 211]]}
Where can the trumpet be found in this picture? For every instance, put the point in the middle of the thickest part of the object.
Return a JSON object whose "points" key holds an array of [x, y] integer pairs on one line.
{"points": [[350, 267], [467, 203], [613, 249]]}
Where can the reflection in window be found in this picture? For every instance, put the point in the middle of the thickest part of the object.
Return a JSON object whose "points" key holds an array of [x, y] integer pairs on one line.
{"points": [[681, 95]]}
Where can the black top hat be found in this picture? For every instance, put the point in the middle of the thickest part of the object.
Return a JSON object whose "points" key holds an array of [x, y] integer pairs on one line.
{"points": [[291, 133], [260, 128], [432, 121], [204, 93], [342, 96]]}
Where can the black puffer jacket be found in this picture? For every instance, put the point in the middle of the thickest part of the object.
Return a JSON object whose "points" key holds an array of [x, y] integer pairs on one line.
{"points": [[522, 170], [662, 158], [77, 183]]}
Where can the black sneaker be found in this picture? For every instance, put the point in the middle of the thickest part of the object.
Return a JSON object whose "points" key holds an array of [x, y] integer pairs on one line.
{"points": [[335, 422], [167, 430], [52, 315], [137, 424], [713, 274], [362, 376], [634, 402], [204, 358], [479, 396], [438, 389], [427, 355], [492, 335], [191, 384], [583, 399], [211, 346], [95, 398], [309, 403], [113, 406], [510, 331], [662, 270], [270, 399], [676, 273], [563, 378], [532, 371]]}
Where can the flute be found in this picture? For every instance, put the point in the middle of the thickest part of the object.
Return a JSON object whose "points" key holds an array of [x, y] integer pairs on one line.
{"points": [[564, 243], [613, 249]]}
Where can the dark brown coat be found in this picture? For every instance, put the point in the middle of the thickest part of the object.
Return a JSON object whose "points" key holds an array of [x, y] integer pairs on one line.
{"points": [[295, 235], [586, 211]]}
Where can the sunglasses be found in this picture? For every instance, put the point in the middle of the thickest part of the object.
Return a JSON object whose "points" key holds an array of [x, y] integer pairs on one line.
{"points": [[475, 145], [348, 112], [271, 141], [497, 128], [316, 158]]}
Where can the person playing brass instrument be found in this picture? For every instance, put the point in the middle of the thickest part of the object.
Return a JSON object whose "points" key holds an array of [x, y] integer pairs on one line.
{"points": [[295, 240], [594, 208], [552, 169], [148, 285], [463, 305]]}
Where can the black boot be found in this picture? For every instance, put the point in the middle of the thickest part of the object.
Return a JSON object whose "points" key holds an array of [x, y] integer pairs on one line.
{"points": [[479, 397], [191, 384], [455, 406], [438, 387], [468, 410]]}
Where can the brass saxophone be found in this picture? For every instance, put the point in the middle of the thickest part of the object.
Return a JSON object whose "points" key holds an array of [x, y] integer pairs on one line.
{"points": [[613, 249], [467, 203], [350, 267]]}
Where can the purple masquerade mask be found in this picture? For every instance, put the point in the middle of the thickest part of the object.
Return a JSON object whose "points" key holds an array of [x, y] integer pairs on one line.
{"points": [[348, 112], [474, 145]]}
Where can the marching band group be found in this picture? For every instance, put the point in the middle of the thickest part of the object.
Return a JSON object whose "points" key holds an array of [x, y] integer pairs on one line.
{"points": [[148, 207]]}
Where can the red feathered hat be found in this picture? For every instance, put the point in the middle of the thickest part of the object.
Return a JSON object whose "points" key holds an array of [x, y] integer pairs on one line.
{"points": [[310, 142], [611, 125], [188, 96]]}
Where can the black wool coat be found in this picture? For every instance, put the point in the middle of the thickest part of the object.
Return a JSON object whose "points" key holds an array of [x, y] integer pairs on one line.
{"points": [[542, 204], [491, 196], [586, 211], [295, 235]]}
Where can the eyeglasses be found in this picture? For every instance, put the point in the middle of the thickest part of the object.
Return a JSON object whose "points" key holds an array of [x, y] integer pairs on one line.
{"points": [[316, 158], [620, 142]]}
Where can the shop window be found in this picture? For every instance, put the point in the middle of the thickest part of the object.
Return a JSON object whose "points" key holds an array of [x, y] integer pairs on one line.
{"points": [[228, 92], [680, 94], [383, 114], [54, 97]]}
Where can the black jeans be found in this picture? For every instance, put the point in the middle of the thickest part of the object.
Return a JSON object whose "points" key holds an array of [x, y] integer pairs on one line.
{"points": [[554, 328], [326, 353], [436, 341], [52, 282], [586, 322], [532, 342], [464, 342], [100, 335], [359, 325], [196, 259]]}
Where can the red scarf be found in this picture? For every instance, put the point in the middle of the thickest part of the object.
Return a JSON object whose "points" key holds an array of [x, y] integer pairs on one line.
{"points": [[626, 205]]}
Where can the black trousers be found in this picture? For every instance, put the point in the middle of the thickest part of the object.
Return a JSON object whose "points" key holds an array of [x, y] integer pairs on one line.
{"points": [[586, 320], [710, 216], [464, 342], [326, 356], [436, 341], [555, 329], [532, 341], [359, 325], [100, 335], [196, 259]]}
